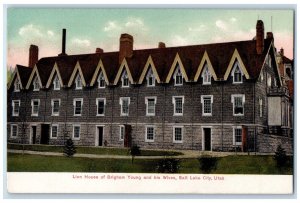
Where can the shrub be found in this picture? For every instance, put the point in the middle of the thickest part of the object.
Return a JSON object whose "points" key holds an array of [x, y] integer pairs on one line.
{"points": [[207, 163], [69, 148], [168, 165], [280, 157], [134, 151]]}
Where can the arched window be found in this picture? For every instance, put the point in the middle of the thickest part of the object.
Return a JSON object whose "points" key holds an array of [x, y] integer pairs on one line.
{"points": [[78, 82], [178, 79], [206, 76], [101, 81], [36, 84], [17, 86], [150, 78], [237, 74], [56, 84], [125, 80]]}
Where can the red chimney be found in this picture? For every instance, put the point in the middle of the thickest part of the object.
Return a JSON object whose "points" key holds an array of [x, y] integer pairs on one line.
{"points": [[126, 47], [99, 50], [161, 45], [260, 36], [33, 55]]}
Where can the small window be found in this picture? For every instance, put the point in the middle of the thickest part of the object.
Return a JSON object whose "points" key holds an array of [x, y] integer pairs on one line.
{"points": [[122, 132], [78, 82], [149, 134], [206, 76], [14, 131], [177, 134], [269, 60], [238, 104], [206, 101], [36, 84], [269, 81], [150, 78], [125, 80], [55, 103], [237, 135], [237, 74], [100, 102], [56, 83], [178, 79], [274, 82], [260, 108], [54, 131], [150, 106], [77, 103], [101, 81], [35, 106], [17, 86], [124, 102], [76, 132], [178, 105], [16, 107]]}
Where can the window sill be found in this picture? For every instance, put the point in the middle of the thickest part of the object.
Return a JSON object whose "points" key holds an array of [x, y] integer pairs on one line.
{"points": [[149, 141], [77, 114], [150, 115], [238, 115], [177, 114], [177, 142], [53, 138], [55, 115], [34, 115], [75, 138], [100, 115], [15, 115], [208, 115]]}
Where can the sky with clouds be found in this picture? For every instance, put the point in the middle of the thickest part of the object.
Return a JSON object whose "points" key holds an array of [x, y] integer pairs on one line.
{"points": [[91, 28]]}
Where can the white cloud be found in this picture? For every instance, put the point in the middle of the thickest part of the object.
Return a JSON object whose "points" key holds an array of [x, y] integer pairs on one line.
{"points": [[50, 33], [81, 42], [199, 28], [178, 40], [233, 20], [221, 24], [30, 30], [134, 22], [110, 25]]}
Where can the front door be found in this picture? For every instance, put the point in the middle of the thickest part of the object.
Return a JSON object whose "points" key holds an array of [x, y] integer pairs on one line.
{"points": [[33, 134], [45, 133], [127, 138], [100, 135], [207, 139]]}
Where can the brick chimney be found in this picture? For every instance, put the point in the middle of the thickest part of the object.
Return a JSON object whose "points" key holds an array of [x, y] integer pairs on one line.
{"points": [[63, 51], [99, 50], [270, 36], [260, 36], [281, 52], [126, 46], [33, 55], [161, 45]]}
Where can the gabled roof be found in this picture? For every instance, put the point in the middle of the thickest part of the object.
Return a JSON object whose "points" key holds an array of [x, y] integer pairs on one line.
{"points": [[22, 73]]}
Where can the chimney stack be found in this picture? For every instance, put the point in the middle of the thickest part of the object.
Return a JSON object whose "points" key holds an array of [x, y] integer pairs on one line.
{"points": [[63, 51], [99, 50], [270, 36], [126, 47], [33, 55], [281, 51], [260, 36], [161, 45]]}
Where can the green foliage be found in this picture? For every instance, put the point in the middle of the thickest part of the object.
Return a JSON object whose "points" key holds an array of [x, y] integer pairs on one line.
{"points": [[69, 148], [134, 151], [208, 163], [280, 157], [168, 165]]}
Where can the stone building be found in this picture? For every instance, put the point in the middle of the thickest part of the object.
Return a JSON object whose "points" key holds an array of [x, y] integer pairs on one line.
{"points": [[220, 97]]}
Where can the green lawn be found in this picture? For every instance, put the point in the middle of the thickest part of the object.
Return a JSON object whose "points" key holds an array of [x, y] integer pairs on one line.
{"points": [[91, 150], [226, 165]]}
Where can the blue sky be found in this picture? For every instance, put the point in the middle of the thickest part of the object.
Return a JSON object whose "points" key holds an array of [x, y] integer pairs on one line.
{"points": [[91, 28]]}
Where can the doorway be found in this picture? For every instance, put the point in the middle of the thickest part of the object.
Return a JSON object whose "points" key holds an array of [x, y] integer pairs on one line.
{"points": [[33, 134], [100, 136], [45, 133], [206, 139]]}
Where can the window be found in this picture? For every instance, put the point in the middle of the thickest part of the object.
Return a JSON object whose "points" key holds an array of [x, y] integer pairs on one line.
{"points": [[78, 82], [206, 76], [237, 135], [101, 81], [77, 103], [206, 101], [150, 78], [17, 86], [16, 107], [150, 106], [237, 74], [14, 131], [238, 101], [125, 80], [269, 60], [260, 108], [100, 102], [55, 103], [122, 132], [54, 130], [178, 79], [35, 105], [269, 81], [261, 76], [274, 82], [178, 102], [149, 134], [36, 84], [124, 102], [177, 134], [56, 83], [76, 132]]}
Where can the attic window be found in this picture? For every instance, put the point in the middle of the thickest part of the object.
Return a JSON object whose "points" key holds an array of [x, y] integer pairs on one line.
{"points": [[56, 84], [178, 80], [125, 80], [269, 60], [101, 81], [150, 78], [17, 86], [206, 76], [78, 82], [36, 84], [237, 74]]}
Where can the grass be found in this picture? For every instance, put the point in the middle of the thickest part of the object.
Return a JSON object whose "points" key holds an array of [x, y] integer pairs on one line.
{"points": [[91, 150], [226, 165]]}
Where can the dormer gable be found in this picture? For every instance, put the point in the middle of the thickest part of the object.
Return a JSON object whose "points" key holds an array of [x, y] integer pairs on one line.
{"points": [[149, 70], [205, 67], [55, 78], [177, 69], [124, 73], [77, 78], [34, 79]]}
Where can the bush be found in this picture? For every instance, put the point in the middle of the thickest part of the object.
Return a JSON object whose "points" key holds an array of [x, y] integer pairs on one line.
{"points": [[168, 165], [134, 151], [207, 163], [280, 157], [69, 148]]}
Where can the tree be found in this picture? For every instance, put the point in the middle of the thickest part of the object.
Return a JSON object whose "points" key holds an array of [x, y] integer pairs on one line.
{"points": [[134, 151], [207, 163], [280, 157], [69, 148]]}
